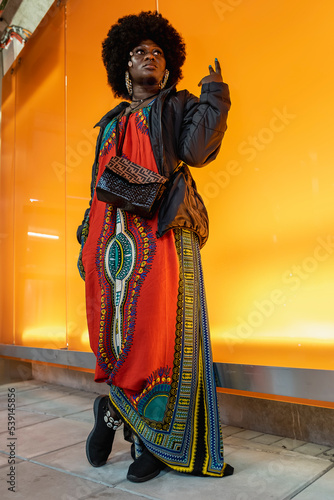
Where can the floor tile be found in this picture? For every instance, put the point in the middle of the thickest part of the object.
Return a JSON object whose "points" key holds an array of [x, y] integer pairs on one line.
{"points": [[73, 459], [312, 449], [116, 494], [34, 482], [82, 416], [3, 420], [3, 460], [87, 395], [61, 405], [250, 444], [329, 454], [35, 395], [288, 444], [267, 439], [20, 386], [228, 430], [321, 489], [49, 436], [258, 476], [247, 434], [23, 418]]}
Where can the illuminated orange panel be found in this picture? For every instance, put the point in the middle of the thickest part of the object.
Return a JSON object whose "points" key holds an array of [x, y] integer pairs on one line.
{"points": [[88, 98], [40, 287], [7, 208], [279, 350], [269, 262]]}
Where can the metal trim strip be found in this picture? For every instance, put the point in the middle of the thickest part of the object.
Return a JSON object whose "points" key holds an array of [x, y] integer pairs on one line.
{"points": [[304, 383], [76, 359], [272, 380]]}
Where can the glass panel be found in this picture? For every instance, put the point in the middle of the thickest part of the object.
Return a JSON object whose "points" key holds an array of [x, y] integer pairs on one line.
{"points": [[7, 208], [269, 263], [40, 287]]}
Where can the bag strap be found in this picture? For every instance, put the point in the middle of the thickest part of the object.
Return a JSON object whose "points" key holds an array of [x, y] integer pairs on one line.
{"points": [[119, 146]]}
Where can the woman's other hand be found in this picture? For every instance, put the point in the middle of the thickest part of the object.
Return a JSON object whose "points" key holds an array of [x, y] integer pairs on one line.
{"points": [[214, 76]]}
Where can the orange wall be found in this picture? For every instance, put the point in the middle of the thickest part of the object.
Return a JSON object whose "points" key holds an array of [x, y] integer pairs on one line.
{"points": [[269, 260]]}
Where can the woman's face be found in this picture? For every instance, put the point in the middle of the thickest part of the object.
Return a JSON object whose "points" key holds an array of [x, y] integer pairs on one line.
{"points": [[148, 63]]}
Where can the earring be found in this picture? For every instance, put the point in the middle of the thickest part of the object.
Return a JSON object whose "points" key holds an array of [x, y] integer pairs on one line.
{"points": [[130, 64], [128, 83], [164, 81]]}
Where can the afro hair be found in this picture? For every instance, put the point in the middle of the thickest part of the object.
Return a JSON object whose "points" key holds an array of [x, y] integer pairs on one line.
{"points": [[130, 31]]}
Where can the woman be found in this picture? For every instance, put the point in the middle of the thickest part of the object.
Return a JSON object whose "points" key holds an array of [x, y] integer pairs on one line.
{"points": [[145, 298]]}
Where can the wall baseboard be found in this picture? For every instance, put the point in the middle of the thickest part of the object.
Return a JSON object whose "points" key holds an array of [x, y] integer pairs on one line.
{"points": [[311, 424]]}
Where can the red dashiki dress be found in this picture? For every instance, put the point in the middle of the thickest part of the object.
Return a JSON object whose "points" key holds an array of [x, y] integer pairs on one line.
{"points": [[147, 321]]}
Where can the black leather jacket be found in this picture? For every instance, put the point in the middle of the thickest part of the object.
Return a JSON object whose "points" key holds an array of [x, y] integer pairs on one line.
{"points": [[183, 130]]}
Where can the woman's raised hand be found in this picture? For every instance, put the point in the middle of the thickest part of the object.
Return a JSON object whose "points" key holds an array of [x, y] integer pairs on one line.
{"points": [[214, 76]]}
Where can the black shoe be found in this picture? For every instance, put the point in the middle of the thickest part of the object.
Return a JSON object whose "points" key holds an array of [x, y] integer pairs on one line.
{"points": [[133, 451], [228, 471], [100, 440], [146, 467]]}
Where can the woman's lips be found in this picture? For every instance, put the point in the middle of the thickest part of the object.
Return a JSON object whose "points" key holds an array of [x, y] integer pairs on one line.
{"points": [[150, 66]]}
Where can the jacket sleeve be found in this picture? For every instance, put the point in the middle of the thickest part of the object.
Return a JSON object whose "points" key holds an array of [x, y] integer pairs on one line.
{"points": [[204, 124]]}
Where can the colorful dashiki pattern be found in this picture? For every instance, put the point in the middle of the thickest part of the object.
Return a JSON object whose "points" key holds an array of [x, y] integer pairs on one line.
{"points": [[147, 321]]}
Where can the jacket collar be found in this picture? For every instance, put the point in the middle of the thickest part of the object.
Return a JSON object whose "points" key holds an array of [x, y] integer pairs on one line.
{"points": [[110, 115], [122, 105]]}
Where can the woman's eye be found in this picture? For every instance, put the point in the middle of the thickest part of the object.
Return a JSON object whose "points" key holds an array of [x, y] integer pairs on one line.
{"points": [[140, 52]]}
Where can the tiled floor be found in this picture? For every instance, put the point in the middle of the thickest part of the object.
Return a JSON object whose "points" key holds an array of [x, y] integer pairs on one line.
{"points": [[52, 423]]}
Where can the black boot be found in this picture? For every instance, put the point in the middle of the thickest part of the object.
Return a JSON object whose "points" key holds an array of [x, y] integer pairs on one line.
{"points": [[146, 467], [100, 440]]}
